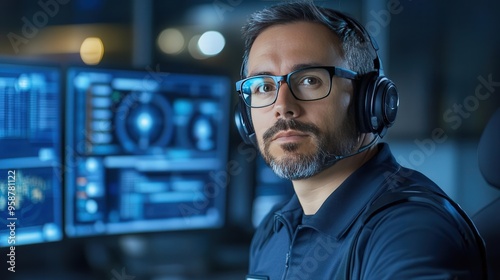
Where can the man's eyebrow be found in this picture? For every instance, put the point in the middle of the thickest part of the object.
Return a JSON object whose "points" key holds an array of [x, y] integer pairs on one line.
{"points": [[259, 73], [294, 67], [305, 65]]}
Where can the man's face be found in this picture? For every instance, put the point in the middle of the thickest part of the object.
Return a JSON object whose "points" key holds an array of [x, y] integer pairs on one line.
{"points": [[294, 136]]}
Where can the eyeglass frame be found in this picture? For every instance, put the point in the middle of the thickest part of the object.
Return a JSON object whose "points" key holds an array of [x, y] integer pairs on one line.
{"points": [[332, 70]]}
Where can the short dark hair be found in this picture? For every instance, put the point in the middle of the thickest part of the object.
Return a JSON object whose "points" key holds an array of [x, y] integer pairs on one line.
{"points": [[355, 44]]}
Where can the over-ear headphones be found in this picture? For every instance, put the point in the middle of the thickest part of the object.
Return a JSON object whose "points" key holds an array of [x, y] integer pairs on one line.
{"points": [[376, 99], [243, 121], [376, 103]]}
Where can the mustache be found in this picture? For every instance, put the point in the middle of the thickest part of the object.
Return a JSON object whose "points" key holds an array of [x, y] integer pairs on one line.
{"points": [[283, 124]]}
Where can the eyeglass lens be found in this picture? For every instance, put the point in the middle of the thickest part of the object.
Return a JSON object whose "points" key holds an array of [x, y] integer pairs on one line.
{"points": [[306, 84]]}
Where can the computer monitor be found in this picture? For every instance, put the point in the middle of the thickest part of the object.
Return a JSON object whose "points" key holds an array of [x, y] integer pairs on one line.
{"points": [[270, 190], [144, 151], [30, 155]]}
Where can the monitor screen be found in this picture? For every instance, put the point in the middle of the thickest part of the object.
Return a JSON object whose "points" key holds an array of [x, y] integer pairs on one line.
{"points": [[144, 150], [30, 155]]}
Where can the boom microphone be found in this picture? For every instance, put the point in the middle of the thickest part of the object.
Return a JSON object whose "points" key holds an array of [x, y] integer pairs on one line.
{"points": [[330, 159]]}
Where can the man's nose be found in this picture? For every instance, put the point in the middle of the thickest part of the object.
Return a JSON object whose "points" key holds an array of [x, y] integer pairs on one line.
{"points": [[286, 106]]}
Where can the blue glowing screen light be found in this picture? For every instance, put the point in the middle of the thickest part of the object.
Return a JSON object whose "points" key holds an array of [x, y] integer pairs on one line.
{"points": [[144, 151], [30, 157]]}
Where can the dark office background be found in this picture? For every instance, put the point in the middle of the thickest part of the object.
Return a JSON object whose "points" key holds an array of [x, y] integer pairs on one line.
{"points": [[442, 55]]}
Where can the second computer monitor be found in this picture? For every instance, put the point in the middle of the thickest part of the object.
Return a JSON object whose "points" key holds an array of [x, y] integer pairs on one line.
{"points": [[144, 150]]}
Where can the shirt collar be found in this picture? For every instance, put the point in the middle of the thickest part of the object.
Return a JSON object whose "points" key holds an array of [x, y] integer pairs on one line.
{"points": [[345, 204], [289, 215]]}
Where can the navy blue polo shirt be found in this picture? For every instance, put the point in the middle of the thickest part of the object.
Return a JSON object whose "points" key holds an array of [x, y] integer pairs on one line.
{"points": [[406, 241]]}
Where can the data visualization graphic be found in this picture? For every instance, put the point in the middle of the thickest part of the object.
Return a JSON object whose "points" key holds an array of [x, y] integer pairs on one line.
{"points": [[30, 157], [145, 148]]}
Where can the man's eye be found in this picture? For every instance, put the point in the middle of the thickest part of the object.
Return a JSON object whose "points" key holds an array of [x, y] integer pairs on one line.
{"points": [[310, 81], [264, 88]]}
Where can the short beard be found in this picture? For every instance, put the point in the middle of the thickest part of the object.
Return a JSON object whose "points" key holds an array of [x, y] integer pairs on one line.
{"points": [[297, 166]]}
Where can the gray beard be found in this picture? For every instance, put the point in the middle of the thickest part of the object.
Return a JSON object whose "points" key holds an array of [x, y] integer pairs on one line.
{"points": [[296, 166], [300, 167]]}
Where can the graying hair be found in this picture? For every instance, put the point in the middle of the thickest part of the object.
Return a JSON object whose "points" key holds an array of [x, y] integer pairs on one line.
{"points": [[356, 45]]}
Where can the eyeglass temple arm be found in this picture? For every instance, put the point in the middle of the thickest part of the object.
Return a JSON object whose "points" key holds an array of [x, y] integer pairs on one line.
{"points": [[344, 73]]}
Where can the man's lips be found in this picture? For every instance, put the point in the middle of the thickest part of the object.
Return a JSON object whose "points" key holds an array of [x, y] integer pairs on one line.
{"points": [[289, 135]]}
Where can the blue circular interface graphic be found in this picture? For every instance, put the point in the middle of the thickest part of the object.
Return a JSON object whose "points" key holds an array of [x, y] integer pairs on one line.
{"points": [[145, 122]]}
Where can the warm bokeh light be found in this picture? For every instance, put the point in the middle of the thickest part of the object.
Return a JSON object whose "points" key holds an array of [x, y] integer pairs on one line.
{"points": [[171, 41], [92, 51], [193, 48]]}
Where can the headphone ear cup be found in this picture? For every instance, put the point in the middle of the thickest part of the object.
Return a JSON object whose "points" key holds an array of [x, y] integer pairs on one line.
{"points": [[243, 123], [377, 103], [386, 103], [364, 95]]}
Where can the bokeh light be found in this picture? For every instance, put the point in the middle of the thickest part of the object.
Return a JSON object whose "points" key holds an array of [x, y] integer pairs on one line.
{"points": [[211, 43], [171, 41], [92, 51]]}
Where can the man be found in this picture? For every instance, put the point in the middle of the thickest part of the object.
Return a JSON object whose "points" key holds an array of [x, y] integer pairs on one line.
{"points": [[315, 104]]}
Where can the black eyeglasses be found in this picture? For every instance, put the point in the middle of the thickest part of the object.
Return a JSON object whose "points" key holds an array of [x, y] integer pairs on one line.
{"points": [[306, 84]]}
